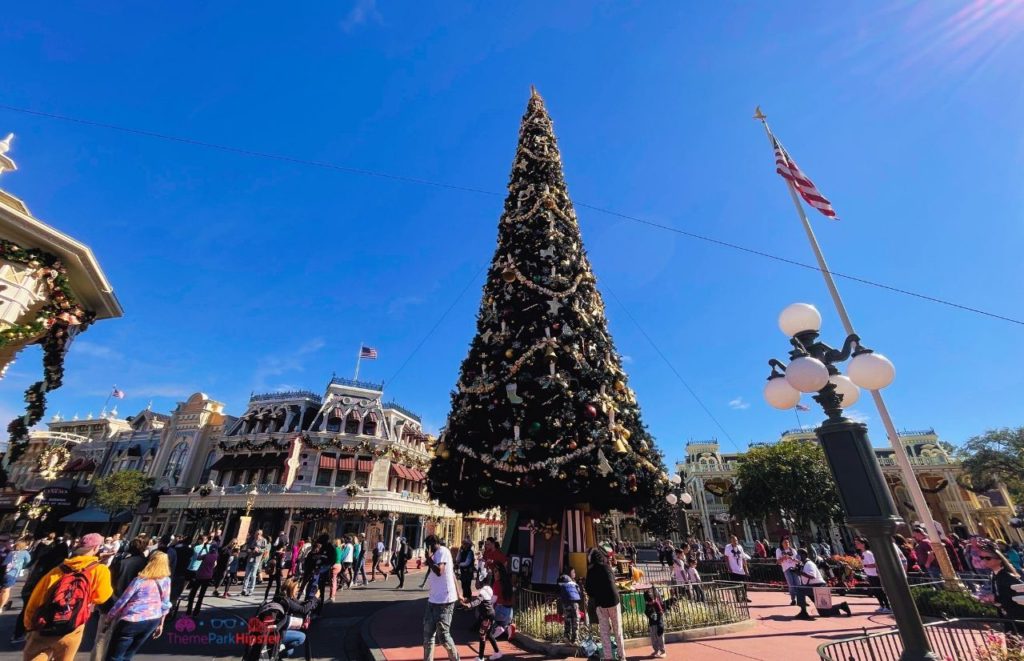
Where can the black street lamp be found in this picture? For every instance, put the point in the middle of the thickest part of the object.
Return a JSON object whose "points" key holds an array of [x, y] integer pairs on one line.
{"points": [[683, 500], [862, 489]]}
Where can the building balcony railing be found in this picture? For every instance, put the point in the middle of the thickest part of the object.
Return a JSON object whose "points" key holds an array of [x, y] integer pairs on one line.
{"points": [[401, 409], [289, 394], [365, 385]]}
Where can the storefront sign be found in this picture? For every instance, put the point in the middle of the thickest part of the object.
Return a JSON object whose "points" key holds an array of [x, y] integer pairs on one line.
{"points": [[57, 497]]}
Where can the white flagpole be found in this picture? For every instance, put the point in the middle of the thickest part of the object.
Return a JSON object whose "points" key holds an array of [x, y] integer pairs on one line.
{"points": [[899, 452], [359, 357]]}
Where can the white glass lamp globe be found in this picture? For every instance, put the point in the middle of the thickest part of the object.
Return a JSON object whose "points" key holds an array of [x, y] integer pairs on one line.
{"points": [[675, 479], [672, 499], [807, 374], [847, 388], [686, 498], [780, 394], [799, 317], [871, 370]]}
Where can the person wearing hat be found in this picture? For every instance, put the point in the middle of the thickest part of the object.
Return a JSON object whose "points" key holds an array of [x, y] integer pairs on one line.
{"points": [[83, 559]]}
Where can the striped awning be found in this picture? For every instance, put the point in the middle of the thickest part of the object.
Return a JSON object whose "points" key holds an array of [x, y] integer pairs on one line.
{"points": [[364, 465], [406, 473], [347, 464], [328, 461]]}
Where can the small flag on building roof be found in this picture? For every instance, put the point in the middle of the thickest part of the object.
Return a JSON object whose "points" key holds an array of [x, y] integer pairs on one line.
{"points": [[368, 353], [117, 394], [802, 407]]}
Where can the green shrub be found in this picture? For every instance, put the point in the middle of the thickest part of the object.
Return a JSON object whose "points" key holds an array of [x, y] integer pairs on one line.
{"points": [[933, 602]]}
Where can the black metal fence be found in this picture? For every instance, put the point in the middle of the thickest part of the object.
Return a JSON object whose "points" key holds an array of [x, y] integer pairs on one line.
{"points": [[955, 640], [539, 616]]}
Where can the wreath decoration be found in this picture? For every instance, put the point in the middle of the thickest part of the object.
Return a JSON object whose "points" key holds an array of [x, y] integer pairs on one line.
{"points": [[58, 320], [52, 461]]}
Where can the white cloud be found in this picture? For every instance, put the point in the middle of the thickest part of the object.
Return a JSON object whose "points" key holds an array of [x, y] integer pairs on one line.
{"points": [[627, 360], [279, 364], [738, 404], [856, 416], [93, 350], [363, 12]]}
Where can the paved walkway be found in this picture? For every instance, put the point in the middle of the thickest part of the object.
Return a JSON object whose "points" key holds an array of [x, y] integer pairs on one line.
{"points": [[775, 635]]}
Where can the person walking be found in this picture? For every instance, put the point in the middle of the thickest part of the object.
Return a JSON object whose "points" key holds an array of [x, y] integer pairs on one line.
{"points": [[49, 555], [871, 572], [378, 556], [257, 548], [336, 551], [226, 571], [75, 587], [179, 571], [274, 572], [655, 612], [736, 559], [441, 600], [140, 611], [13, 564], [484, 605], [786, 558], [347, 560], [203, 579], [359, 558], [398, 560], [466, 563], [604, 593]]}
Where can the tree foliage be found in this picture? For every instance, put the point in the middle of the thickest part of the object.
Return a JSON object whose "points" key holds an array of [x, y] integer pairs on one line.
{"points": [[996, 456], [657, 516], [789, 476], [121, 491]]}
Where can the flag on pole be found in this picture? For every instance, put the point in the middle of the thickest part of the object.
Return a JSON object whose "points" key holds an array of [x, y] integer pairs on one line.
{"points": [[801, 407], [117, 394], [368, 353], [787, 168]]}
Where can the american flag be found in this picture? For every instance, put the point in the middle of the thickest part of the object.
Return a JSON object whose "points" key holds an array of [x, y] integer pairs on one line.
{"points": [[787, 168], [802, 407], [117, 394], [369, 353]]}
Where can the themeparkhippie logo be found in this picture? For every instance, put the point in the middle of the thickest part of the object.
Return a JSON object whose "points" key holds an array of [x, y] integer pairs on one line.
{"points": [[221, 631]]}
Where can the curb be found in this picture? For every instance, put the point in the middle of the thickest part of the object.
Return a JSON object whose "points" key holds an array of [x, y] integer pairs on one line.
{"points": [[563, 650], [369, 643]]}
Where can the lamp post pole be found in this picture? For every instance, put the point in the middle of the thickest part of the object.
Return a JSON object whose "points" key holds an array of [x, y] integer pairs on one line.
{"points": [[863, 492], [682, 499]]}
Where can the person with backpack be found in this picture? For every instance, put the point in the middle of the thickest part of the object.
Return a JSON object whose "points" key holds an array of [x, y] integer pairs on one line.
{"points": [[62, 602], [140, 611], [569, 604], [654, 609]]}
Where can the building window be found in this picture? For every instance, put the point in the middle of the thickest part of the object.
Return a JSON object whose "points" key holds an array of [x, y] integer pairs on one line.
{"points": [[370, 426], [343, 479], [176, 462], [323, 477], [352, 424]]}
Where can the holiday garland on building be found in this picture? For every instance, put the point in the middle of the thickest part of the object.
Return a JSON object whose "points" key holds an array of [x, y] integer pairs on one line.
{"points": [[59, 319], [542, 414]]}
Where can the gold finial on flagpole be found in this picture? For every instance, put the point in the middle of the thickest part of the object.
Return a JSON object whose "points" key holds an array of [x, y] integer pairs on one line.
{"points": [[759, 115], [533, 91]]}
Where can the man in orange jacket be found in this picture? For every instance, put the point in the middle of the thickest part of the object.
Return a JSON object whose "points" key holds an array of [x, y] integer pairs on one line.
{"points": [[40, 647]]}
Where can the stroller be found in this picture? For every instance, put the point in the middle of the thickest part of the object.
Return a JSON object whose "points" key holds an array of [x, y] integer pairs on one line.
{"points": [[262, 641]]}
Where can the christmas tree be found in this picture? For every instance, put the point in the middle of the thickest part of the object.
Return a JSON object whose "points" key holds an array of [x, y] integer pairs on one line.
{"points": [[542, 416]]}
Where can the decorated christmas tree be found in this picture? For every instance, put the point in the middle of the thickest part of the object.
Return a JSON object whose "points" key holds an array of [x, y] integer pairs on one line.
{"points": [[543, 418]]}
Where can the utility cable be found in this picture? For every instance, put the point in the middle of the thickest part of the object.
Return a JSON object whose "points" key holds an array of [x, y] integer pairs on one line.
{"points": [[479, 191], [672, 367]]}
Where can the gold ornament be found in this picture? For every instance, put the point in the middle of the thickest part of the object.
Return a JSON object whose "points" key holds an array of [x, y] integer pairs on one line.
{"points": [[620, 446], [509, 354], [508, 274], [620, 386], [562, 476]]}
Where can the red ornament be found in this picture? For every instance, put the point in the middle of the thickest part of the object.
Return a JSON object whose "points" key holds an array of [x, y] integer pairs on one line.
{"points": [[590, 411]]}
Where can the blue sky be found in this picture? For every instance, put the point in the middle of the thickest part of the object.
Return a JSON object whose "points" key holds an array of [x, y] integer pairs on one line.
{"points": [[240, 274]]}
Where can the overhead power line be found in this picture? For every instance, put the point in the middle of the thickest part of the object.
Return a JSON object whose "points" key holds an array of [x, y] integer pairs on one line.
{"points": [[479, 191]]}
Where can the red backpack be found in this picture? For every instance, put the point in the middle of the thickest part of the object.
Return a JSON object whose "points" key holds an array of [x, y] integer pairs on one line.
{"points": [[68, 604]]}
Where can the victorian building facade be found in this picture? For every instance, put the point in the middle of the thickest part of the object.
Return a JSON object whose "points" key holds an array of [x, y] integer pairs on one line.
{"points": [[336, 463], [710, 475]]}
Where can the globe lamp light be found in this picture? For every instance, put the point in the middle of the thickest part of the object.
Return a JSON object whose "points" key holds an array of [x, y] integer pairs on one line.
{"points": [[798, 318], [846, 389], [807, 374], [672, 499], [871, 370], [780, 394], [686, 498], [675, 479]]}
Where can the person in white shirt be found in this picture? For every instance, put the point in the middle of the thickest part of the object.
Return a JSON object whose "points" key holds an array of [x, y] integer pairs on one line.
{"points": [[810, 577], [441, 600], [785, 557], [736, 559], [871, 571]]}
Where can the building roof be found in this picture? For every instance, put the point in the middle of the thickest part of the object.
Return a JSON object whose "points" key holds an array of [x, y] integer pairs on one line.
{"points": [[90, 285]]}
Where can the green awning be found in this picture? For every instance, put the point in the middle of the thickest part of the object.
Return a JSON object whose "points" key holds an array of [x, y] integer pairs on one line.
{"points": [[96, 515]]}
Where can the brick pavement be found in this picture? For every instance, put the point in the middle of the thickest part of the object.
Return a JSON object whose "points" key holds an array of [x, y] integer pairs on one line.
{"points": [[775, 635]]}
